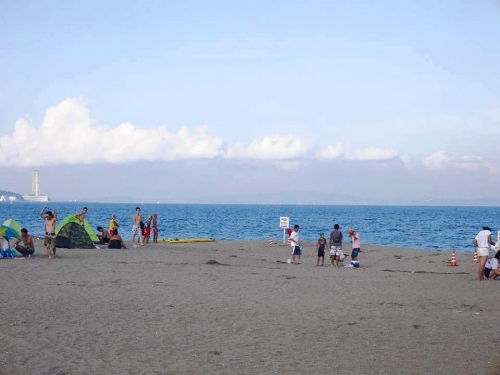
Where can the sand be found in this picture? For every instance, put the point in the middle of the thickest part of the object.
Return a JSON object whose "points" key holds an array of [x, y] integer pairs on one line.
{"points": [[162, 310]]}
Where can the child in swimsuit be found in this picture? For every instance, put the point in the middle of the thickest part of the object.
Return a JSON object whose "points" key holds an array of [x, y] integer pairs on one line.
{"points": [[147, 230]]}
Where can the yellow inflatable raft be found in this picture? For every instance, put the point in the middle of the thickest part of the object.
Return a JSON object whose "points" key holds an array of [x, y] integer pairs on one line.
{"points": [[186, 240]]}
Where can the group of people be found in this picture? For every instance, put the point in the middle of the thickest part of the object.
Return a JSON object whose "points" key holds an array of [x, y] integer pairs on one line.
{"points": [[140, 230], [488, 268], [143, 231], [334, 244], [111, 237]]}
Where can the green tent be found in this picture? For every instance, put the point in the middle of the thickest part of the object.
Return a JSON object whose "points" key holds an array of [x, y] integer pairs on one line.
{"points": [[72, 235]]}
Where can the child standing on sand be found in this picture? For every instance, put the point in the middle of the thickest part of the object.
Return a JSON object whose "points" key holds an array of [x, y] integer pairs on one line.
{"points": [[320, 248], [356, 247], [147, 231], [294, 242], [142, 229], [155, 228]]}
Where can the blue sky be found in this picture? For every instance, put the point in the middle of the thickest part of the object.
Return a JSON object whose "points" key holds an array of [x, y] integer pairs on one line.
{"points": [[406, 80]]}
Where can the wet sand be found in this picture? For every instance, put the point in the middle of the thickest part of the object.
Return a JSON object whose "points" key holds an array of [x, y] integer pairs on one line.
{"points": [[162, 309]]}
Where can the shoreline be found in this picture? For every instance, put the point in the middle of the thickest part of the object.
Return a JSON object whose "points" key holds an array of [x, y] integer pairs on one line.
{"points": [[162, 309]]}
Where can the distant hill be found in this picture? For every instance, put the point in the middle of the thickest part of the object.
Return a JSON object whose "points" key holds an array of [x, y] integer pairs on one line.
{"points": [[7, 194], [299, 197]]}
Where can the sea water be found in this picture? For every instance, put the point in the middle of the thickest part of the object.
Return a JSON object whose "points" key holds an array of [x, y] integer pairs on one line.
{"points": [[432, 228]]}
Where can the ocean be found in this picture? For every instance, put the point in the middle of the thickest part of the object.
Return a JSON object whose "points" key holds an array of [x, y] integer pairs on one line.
{"points": [[429, 228]]}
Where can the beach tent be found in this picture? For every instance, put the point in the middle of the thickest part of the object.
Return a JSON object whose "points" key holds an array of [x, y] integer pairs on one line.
{"points": [[71, 234], [11, 223], [9, 232]]}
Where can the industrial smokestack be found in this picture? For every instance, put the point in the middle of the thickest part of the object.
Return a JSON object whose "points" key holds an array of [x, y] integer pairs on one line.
{"points": [[36, 184]]}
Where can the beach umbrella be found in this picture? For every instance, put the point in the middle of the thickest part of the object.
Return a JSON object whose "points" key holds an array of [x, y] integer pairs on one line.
{"points": [[9, 233], [11, 223]]}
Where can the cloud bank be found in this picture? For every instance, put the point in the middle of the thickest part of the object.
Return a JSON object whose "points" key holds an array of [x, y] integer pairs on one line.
{"points": [[442, 161], [68, 135]]}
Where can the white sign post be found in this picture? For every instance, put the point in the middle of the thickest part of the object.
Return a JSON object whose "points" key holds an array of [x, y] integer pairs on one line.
{"points": [[284, 223]]}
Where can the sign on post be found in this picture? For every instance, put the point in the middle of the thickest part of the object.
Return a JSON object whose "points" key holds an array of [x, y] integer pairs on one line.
{"points": [[284, 223]]}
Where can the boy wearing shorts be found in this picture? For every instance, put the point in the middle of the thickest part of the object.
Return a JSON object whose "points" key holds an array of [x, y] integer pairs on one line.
{"points": [[336, 238], [294, 242], [320, 248], [49, 240]]}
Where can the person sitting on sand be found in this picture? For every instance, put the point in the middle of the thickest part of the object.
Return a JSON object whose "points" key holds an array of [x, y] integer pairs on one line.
{"points": [[116, 242], [356, 244], [104, 236], [320, 248], [81, 216], [491, 270], [482, 241], [27, 248]]}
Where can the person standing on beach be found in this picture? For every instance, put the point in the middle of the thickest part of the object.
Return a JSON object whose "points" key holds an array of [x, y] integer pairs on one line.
{"points": [[113, 225], [482, 241], [136, 228], [335, 243], [320, 248], [155, 228], [356, 244], [147, 230], [81, 216], [142, 228], [49, 241], [294, 242]]}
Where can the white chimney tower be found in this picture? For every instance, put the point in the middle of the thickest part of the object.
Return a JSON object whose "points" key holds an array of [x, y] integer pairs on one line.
{"points": [[36, 184]]}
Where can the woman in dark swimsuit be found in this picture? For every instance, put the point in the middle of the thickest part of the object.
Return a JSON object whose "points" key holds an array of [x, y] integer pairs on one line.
{"points": [[116, 242]]}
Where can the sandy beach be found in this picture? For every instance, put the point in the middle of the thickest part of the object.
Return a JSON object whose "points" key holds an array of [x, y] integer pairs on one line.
{"points": [[162, 309]]}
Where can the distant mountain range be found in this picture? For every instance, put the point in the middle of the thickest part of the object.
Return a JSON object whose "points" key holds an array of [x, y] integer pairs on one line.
{"points": [[304, 198]]}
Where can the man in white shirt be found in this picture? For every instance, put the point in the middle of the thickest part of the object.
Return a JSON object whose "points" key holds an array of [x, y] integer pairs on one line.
{"points": [[294, 242], [483, 241]]}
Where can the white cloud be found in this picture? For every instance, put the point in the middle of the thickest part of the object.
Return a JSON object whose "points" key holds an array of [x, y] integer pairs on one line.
{"points": [[68, 135], [343, 150], [441, 160], [334, 152], [270, 147], [373, 154]]}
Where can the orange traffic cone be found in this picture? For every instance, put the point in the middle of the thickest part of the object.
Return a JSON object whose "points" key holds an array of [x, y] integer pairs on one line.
{"points": [[476, 259], [453, 259], [271, 240]]}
